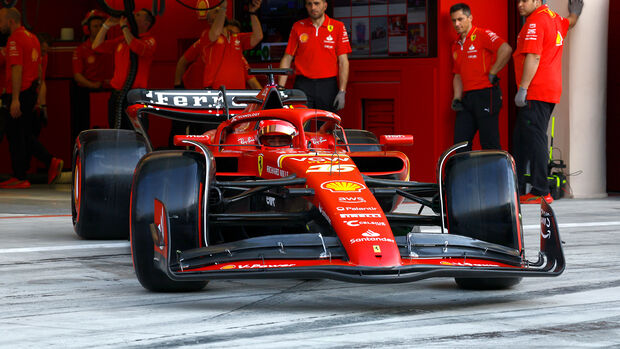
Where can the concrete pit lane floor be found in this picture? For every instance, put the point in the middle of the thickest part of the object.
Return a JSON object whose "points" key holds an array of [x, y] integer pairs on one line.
{"points": [[58, 291]]}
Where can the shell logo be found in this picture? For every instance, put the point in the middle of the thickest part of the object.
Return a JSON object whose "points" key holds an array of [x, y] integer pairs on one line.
{"points": [[230, 266], [303, 38], [559, 40], [343, 186]]}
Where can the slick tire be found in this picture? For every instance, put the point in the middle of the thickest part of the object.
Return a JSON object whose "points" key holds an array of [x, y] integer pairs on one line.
{"points": [[481, 197], [176, 178], [486, 283], [481, 203], [102, 171]]}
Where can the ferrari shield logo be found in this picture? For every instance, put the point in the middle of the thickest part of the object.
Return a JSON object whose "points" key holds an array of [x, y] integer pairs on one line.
{"points": [[260, 164], [376, 248], [473, 37], [330, 28]]}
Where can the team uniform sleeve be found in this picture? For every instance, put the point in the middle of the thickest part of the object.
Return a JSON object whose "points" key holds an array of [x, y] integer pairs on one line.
{"points": [[193, 52], [15, 54], [534, 36], [492, 40], [456, 66], [343, 46], [246, 40], [564, 24], [293, 38], [143, 47], [108, 46], [78, 64], [246, 67]]}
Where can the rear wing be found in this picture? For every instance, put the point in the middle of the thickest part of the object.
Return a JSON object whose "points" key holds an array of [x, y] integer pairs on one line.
{"points": [[214, 100], [205, 106]]}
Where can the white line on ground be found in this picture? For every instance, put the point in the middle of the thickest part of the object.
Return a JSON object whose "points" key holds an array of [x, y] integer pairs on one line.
{"points": [[64, 248], [126, 244]]}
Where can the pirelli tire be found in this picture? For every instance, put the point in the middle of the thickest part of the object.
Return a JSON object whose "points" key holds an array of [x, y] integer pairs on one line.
{"points": [[481, 202], [177, 179], [102, 172]]}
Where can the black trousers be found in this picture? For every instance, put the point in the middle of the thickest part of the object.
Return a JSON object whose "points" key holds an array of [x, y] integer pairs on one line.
{"points": [[320, 92], [480, 114], [23, 143], [530, 145]]}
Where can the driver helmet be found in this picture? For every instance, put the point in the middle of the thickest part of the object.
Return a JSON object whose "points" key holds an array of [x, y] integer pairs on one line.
{"points": [[276, 133]]}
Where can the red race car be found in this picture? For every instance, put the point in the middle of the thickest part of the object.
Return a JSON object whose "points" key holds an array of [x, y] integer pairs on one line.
{"points": [[278, 190]]}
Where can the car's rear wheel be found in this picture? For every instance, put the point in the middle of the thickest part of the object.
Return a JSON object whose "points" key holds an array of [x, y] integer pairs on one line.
{"points": [[481, 202], [103, 165], [176, 179]]}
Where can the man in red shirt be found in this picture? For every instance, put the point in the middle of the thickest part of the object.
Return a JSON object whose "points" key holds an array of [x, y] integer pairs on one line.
{"points": [[320, 46], [190, 72], [91, 72], [23, 73], [538, 70], [478, 55], [222, 50], [144, 46]]}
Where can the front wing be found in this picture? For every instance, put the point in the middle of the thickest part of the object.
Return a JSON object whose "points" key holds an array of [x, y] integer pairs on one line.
{"points": [[315, 257]]}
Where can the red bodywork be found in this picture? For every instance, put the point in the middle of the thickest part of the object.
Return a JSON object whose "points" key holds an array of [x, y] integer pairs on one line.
{"points": [[328, 167]]}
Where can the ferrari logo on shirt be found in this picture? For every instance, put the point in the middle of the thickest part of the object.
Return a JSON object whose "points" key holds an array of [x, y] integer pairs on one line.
{"points": [[330, 28], [303, 38], [473, 37], [260, 164]]}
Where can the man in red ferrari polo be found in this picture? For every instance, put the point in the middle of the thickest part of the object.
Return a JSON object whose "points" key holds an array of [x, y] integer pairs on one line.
{"points": [[478, 55], [144, 46], [222, 49], [320, 46], [538, 70], [23, 74], [91, 71]]}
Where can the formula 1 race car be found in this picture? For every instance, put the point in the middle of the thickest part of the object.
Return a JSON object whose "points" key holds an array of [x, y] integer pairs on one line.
{"points": [[278, 190]]}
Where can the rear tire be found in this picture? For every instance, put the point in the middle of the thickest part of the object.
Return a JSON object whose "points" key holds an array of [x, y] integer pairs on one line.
{"points": [[103, 165], [482, 203], [176, 178]]}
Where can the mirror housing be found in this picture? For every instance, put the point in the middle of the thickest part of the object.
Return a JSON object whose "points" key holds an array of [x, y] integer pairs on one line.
{"points": [[396, 140]]}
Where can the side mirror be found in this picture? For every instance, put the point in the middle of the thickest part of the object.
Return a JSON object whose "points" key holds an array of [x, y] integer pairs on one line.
{"points": [[396, 140]]}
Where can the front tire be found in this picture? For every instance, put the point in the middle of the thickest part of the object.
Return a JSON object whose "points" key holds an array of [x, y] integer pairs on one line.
{"points": [[482, 203], [176, 178]]}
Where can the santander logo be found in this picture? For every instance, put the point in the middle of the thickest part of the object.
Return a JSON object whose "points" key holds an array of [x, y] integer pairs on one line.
{"points": [[369, 233]]}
